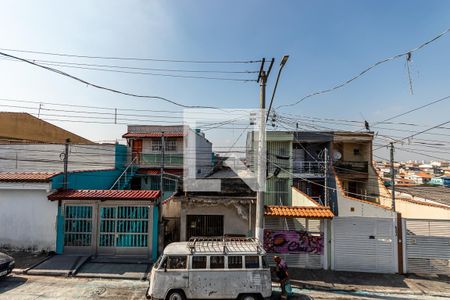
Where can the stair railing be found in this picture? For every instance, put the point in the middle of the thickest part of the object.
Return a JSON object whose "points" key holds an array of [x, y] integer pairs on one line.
{"points": [[124, 173]]}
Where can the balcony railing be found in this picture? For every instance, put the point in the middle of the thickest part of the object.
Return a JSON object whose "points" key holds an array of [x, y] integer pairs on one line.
{"points": [[154, 159], [310, 168], [352, 167]]}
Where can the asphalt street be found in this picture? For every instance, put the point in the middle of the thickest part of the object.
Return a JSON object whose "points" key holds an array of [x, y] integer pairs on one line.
{"points": [[28, 287]]}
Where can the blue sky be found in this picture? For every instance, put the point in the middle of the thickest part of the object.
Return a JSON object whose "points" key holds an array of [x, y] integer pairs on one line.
{"points": [[328, 42]]}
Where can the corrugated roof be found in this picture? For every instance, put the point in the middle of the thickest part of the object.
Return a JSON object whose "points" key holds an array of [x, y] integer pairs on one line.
{"points": [[298, 212], [105, 195], [26, 176], [152, 134]]}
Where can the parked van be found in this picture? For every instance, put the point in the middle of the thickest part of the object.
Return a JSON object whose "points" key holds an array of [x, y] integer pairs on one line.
{"points": [[208, 268]]}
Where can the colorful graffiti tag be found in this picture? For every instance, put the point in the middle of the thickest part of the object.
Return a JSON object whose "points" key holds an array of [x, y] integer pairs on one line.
{"points": [[292, 241]]}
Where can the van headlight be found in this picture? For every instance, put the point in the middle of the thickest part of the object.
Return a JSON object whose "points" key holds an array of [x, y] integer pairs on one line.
{"points": [[11, 263]]}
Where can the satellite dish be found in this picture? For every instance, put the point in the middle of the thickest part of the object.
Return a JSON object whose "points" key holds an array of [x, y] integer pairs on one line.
{"points": [[337, 155]]}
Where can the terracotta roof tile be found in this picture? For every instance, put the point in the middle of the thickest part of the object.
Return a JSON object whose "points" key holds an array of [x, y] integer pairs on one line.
{"points": [[152, 134], [298, 212], [26, 176], [105, 195], [155, 171]]}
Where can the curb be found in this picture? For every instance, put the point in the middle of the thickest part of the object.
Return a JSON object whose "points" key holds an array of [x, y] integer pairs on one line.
{"points": [[330, 289]]}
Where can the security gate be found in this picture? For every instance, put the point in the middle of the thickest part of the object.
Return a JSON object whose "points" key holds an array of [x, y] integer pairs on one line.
{"points": [[364, 244], [107, 229], [123, 230], [78, 233], [427, 246]]}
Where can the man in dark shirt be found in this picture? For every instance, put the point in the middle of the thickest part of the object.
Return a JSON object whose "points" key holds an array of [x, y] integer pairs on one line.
{"points": [[281, 271]]}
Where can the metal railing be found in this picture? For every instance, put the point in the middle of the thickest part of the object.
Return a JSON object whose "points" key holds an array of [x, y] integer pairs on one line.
{"points": [[126, 175], [154, 159], [224, 244], [351, 166], [316, 168]]}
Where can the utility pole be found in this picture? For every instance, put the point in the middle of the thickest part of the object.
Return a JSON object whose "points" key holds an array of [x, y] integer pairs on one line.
{"points": [[66, 162], [60, 216], [261, 158], [161, 199], [161, 184], [392, 176], [325, 193]]}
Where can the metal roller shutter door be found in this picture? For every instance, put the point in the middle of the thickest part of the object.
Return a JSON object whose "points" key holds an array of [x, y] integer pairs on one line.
{"points": [[364, 245]]}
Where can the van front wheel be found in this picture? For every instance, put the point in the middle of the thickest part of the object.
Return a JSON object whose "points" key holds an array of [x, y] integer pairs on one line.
{"points": [[249, 297], [176, 295]]}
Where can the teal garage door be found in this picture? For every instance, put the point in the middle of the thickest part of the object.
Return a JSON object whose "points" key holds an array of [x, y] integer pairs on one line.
{"points": [[124, 230], [78, 233]]}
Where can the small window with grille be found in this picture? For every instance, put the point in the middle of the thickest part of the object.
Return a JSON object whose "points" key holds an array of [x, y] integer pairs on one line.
{"points": [[156, 145]]}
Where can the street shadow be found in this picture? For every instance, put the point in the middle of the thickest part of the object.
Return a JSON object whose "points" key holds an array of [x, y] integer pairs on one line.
{"points": [[277, 296], [11, 282], [439, 278], [309, 277]]}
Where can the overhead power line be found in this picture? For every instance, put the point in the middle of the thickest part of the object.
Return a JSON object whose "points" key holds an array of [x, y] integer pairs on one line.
{"points": [[360, 74], [415, 134], [140, 68], [135, 58], [414, 109], [65, 65], [57, 71]]}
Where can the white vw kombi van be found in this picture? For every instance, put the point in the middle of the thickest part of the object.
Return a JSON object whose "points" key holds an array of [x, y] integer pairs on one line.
{"points": [[211, 268]]}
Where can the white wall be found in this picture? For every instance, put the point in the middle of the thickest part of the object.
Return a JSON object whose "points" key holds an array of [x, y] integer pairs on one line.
{"points": [[27, 219], [46, 157], [301, 199], [413, 209], [233, 223]]}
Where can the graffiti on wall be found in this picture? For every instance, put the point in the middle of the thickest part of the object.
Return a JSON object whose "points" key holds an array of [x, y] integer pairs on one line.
{"points": [[292, 241]]}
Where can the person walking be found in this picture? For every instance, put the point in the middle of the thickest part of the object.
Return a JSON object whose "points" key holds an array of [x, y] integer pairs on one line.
{"points": [[281, 271]]}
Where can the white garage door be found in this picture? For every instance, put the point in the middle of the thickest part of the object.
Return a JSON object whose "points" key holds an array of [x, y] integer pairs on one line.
{"points": [[364, 244], [428, 246]]}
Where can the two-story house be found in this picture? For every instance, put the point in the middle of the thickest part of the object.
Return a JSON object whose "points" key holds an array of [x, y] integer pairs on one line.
{"points": [[146, 144]]}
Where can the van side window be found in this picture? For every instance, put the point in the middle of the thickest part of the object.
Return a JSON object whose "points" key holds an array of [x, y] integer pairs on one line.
{"points": [[234, 262], [252, 262], [176, 262], [198, 262], [216, 262]]}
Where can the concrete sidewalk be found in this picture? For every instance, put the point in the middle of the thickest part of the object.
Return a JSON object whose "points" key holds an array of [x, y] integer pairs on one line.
{"points": [[59, 265], [91, 267], [370, 282]]}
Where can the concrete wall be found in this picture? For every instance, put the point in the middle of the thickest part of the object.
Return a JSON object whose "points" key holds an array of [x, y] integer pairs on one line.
{"points": [[203, 156], [348, 151], [27, 218], [23, 126], [301, 199], [352, 207], [88, 180], [412, 210], [46, 157], [233, 222]]}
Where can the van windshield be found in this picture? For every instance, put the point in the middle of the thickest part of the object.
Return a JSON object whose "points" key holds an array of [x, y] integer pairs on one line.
{"points": [[158, 261]]}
